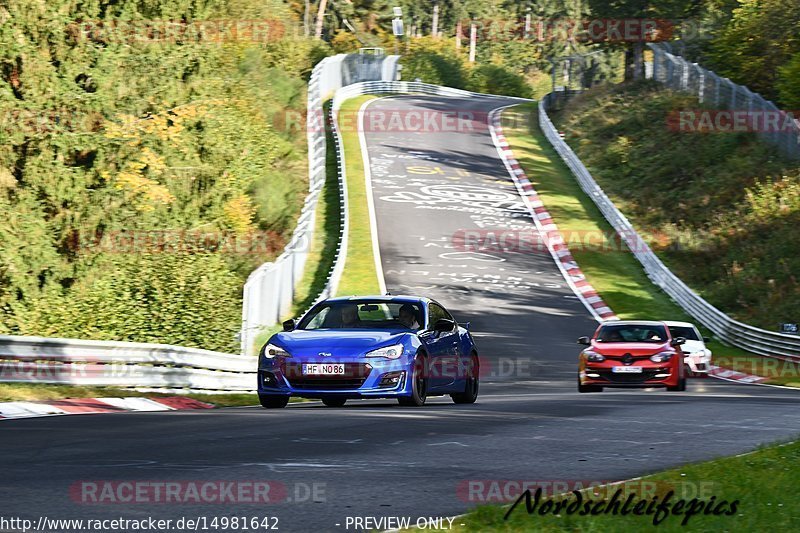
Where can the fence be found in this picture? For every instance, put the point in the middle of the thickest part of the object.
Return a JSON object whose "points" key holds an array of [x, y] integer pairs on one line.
{"points": [[405, 87], [270, 289], [721, 93], [727, 329], [157, 367]]}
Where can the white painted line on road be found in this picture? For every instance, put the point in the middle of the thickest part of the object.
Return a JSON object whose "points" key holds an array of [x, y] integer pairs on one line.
{"points": [[136, 404], [373, 222]]}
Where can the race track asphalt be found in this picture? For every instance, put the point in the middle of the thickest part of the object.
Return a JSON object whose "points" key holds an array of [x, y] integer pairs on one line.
{"points": [[375, 458]]}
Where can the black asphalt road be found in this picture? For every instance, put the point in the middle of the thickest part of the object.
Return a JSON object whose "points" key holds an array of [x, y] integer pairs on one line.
{"points": [[374, 458]]}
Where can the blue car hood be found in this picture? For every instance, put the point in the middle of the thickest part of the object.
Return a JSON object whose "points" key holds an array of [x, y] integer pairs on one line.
{"points": [[337, 342]]}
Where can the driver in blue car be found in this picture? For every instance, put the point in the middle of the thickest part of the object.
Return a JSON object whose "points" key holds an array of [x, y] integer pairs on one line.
{"points": [[350, 317], [408, 317]]}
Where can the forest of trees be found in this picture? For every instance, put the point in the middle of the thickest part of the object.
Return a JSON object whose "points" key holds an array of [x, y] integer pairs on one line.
{"points": [[754, 42], [115, 139]]}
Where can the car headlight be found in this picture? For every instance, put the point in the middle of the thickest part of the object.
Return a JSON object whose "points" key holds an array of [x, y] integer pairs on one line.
{"points": [[593, 356], [389, 352], [662, 357], [271, 351]]}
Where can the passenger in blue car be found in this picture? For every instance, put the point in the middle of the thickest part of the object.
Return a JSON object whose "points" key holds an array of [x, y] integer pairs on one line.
{"points": [[408, 317]]}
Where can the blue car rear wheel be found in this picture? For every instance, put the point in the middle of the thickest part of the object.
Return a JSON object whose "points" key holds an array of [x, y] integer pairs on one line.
{"points": [[470, 393]]}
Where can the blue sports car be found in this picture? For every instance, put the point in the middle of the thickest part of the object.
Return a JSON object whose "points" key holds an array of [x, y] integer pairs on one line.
{"points": [[400, 347]]}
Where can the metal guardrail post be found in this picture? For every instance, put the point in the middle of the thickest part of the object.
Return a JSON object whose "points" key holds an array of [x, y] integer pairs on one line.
{"points": [[790, 147]]}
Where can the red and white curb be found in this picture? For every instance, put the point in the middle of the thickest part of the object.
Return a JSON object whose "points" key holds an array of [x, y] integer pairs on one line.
{"points": [[83, 406], [547, 227], [734, 375]]}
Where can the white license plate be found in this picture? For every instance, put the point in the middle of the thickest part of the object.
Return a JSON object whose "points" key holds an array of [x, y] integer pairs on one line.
{"points": [[626, 369], [327, 369]]}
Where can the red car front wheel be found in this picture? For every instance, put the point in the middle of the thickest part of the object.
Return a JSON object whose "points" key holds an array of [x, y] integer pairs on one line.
{"points": [[588, 388]]}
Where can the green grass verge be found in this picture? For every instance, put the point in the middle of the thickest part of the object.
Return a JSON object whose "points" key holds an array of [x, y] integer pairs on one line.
{"points": [[613, 270], [17, 392], [359, 276], [764, 483]]}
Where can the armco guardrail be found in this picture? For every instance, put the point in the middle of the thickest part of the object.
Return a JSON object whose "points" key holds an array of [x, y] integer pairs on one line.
{"points": [[727, 329], [270, 289], [123, 364], [409, 87], [710, 88]]}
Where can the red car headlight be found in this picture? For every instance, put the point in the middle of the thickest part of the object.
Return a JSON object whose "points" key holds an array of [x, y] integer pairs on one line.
{"points": [[662, 357], [593, 356]]}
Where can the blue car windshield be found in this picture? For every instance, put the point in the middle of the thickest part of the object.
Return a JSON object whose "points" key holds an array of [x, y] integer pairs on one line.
{"points": [[360, 314]]}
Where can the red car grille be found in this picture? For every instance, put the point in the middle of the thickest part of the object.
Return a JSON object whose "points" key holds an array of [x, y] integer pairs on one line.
{"points": [[628, 378]]}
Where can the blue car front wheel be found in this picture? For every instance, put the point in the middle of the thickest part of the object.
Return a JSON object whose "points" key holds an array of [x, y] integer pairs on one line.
{"points": [[273, 401], [419, 384], [333, 401]]}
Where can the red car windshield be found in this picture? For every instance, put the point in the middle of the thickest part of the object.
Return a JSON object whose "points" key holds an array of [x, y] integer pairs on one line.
{"points": [[654, 333]]}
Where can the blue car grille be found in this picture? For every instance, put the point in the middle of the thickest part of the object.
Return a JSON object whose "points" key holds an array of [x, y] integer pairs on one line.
{"points": [[355, 374]]}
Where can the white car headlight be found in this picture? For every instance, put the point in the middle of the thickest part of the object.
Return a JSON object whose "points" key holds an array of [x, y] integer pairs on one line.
{"points": [[271, 351], [389, 352]]}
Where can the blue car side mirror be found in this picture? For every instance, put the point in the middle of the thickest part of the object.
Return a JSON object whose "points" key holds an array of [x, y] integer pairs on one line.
{"points": [[444, 324]]}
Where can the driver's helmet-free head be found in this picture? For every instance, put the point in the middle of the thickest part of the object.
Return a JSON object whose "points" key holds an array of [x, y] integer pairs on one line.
{"points": [[408, 315], [653, 336], [349, 314]]}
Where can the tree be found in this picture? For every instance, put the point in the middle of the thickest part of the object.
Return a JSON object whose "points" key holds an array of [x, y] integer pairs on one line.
{"points": [[761, 37], [788, 83], [641, 9]]}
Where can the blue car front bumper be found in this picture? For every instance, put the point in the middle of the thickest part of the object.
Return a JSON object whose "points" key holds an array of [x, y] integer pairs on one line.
{"points": [[362, 378]]}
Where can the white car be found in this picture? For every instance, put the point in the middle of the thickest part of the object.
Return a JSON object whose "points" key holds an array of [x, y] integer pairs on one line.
{"points": [[697, 356]]}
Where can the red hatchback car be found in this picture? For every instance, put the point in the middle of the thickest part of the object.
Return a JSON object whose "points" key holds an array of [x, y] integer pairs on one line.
{"points": [[636, 354]]}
